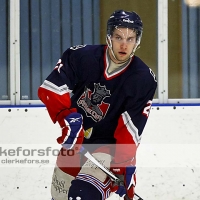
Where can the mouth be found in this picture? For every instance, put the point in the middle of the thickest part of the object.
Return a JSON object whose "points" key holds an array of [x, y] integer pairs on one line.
{"points": [[122, 53]]}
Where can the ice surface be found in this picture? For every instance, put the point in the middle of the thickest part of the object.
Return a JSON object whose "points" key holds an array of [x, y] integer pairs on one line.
{"points": [[168, 159]]}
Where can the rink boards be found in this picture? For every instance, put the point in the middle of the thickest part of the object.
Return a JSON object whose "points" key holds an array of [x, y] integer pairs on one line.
{"points": [[168, 159]]}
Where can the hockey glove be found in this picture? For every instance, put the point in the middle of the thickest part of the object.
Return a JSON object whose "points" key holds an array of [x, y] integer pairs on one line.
{"points": [[72, 131], [126, 173]]}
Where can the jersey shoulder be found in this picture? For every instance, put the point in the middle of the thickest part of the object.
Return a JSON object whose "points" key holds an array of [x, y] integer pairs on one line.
{"points": [[79, 51], [141, 77], [142, 70], [84, 61]]}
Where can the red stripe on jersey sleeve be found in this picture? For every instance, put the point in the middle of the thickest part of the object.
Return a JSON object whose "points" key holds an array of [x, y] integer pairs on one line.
{"points": [[54, 103], [125, 146]]}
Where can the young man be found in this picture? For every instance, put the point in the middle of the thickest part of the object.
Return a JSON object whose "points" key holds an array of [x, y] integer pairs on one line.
{"points": [[112, 95]]}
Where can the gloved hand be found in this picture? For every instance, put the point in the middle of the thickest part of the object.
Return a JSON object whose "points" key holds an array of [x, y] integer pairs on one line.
{"points": [[72, 131], [126, 173]]}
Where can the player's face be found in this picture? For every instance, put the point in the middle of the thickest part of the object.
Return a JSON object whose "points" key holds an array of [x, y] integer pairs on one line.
{"points": [[123, 42]]}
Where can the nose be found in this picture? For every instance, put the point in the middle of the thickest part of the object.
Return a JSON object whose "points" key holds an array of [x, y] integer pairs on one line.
{"points": [[124, 43]]}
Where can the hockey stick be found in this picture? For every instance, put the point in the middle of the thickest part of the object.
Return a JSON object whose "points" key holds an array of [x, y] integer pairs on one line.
{"points": [[88, 155]]}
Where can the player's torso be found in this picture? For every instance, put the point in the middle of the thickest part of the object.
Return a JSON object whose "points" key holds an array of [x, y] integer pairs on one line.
{"points": [[100, 97], [96, 95]]}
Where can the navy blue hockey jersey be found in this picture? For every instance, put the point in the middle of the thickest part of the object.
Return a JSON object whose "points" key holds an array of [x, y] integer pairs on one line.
{"points": [[115, 105]]}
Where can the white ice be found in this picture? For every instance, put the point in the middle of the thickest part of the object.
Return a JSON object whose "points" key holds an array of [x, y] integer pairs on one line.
{"points": [[168, 159]]}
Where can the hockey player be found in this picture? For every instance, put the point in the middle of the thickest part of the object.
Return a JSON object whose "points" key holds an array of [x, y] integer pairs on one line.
{"points": [[101, 97]]}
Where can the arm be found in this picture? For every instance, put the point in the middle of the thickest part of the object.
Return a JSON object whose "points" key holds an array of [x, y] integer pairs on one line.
{"points": [[129, 132], [55, 90], [128, 136], [55, 94]]}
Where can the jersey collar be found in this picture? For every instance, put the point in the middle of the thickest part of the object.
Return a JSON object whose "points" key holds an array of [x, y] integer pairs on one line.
{"points": [[116, 72]]}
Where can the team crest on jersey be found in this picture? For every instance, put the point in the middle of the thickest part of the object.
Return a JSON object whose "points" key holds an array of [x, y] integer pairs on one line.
{"points": [[93, 102]]}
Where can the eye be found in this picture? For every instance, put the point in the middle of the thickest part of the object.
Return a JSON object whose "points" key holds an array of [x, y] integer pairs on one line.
{"points": [[130, 39], [118, 38]]}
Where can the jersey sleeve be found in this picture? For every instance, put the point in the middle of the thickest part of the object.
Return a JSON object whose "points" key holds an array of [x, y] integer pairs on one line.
{"points": [[132, 122], [55, 90]]}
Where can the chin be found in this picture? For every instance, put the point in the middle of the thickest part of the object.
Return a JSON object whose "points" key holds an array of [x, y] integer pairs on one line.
{"points": [[123, 59]]}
